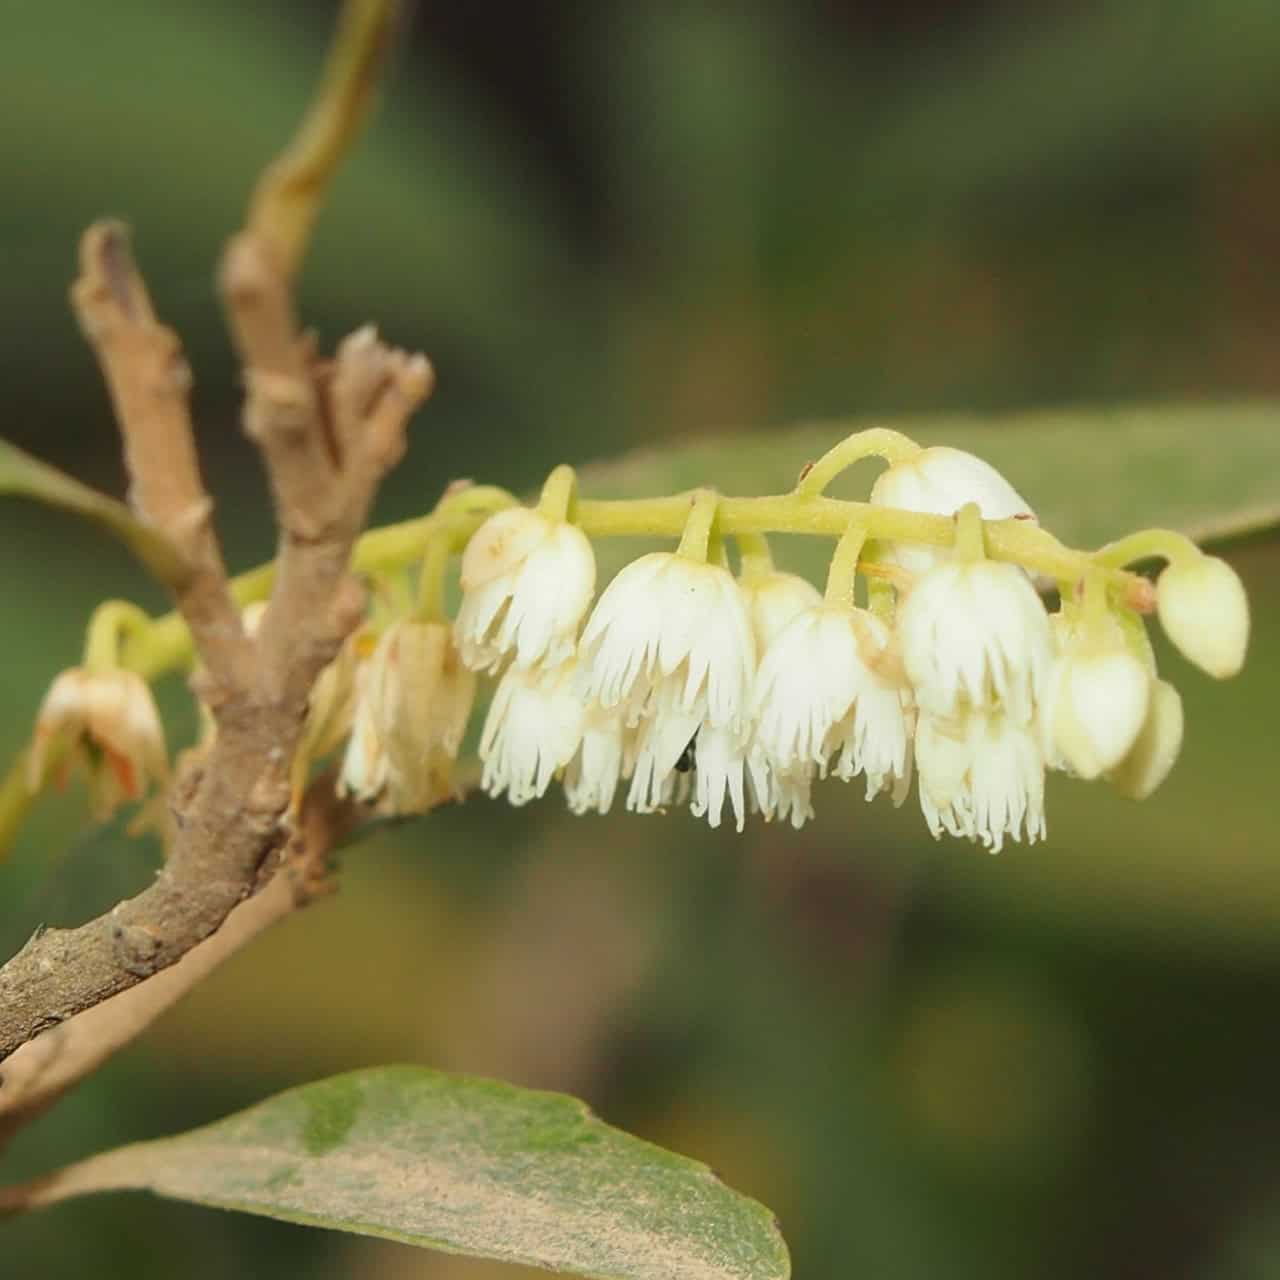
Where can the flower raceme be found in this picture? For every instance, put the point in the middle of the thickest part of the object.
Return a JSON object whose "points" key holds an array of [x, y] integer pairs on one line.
{"points": [[930, 654]]}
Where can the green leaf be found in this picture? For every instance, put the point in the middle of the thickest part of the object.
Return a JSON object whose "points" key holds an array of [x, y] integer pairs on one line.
{"points": [[28, 477], [465, 1165], [1091, 475]]}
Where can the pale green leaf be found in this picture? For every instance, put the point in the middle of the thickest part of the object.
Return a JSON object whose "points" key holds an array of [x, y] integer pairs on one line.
{"points": [[460, 1164], [28, 477]]}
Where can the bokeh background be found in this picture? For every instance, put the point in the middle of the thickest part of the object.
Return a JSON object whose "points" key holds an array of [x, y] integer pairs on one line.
{"points": [[622, 224]]}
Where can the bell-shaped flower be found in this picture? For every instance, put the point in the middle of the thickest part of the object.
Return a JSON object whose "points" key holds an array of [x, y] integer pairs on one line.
{"points": [[1204, 610], [981, 776], [527, 581], [1156, 747], [939, 481], [773, 599], [829, 690], [591, 777], [670, 636], [1096, 699], [414, 700], [975, 635], [533, 730], [107, 723]]}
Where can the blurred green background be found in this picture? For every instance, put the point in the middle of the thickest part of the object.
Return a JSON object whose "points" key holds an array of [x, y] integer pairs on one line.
{"points": [[621, 224]]}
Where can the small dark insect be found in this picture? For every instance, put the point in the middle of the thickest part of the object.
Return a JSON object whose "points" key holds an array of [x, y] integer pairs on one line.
{"points": [[685, 763]]}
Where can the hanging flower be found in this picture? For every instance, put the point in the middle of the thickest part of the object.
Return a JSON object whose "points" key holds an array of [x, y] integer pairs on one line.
{"points": [[410, 717], [1096, 700], [981, 777], [108, 723], [773, 599], [975, 635], [673, 633], [1156, 748], [829, 690], [533, 729], [527, 581], [939, 481], [669, 648], [1205, 612], [599, 763]]}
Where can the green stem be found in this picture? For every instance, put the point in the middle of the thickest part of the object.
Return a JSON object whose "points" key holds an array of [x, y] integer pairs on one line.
{"points": [[757, 559], [165, 644], [842, 576], [1095, 597], [112, 623], [971, 542], [559, 494], [877, 442], [1148, 544], [696, 541], [431, 579]]}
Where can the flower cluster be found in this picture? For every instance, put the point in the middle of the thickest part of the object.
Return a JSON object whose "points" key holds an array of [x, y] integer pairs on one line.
{"points": [[735, 694], [931, 655]]}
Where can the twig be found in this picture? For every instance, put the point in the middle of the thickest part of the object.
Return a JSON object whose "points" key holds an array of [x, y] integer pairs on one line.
{"points": [[149, 382], [328, 434], [290, 192]]}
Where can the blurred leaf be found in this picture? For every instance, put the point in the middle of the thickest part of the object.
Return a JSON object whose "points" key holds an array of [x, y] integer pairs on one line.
{"points": [[28, 477], [465, 1165], [1091, 475]]}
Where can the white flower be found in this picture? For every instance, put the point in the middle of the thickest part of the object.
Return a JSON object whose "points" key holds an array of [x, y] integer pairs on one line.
{"points": [[670, 636], [982, 777], [1156, 749], [591, 776], [527, 581], [661, 753], [1205, 612], [718, 761], [975, 634], [411, 713], [1095, 706], [828, 684], [533, 729], [108, 723], [939, 481], [773, 599], [675, 756], [777, 793]]}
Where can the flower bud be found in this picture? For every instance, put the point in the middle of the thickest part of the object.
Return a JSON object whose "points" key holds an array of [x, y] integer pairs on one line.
{"points": [[108, 722], [1095, 709], [1205, 612], [773, 600], [1153, 754], [939, 481]]}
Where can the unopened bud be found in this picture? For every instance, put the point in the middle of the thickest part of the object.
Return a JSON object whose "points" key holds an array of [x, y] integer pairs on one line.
{"points": [[1205, 612], [940, 480], [1153, 753], [1096, 708]]}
